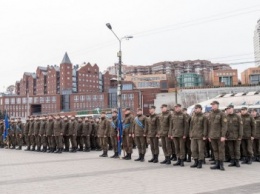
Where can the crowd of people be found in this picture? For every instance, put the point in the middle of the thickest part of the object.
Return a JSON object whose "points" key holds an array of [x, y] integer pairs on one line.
{"points": [[224, 136]]}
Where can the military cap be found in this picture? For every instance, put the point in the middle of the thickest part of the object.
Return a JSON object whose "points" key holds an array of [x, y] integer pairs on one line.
{"points": [[184, 109], [230, 106], [177, 105], [139, 109], [127, 108], [244, 108], [115, 111], [254, 110], [164, 105], [214, 102], [152, 107], [198, 106]]}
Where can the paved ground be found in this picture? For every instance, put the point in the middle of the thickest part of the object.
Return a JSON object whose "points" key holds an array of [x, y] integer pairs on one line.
{"points": [[31, 172]]}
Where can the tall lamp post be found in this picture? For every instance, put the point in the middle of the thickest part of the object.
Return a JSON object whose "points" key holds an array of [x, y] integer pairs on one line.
{"points": [[119, 71]]}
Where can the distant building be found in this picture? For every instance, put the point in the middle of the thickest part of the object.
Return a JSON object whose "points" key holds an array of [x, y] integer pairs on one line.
{"points": [[186, 80], [251, 76], [257, 43], [225, 77]]}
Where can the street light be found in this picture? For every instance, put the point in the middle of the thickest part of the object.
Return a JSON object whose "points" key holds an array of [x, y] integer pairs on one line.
{"points": [[119, 72]]}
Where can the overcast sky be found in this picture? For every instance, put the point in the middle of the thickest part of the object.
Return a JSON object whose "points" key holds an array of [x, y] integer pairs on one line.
{"points": [[38, 32]]}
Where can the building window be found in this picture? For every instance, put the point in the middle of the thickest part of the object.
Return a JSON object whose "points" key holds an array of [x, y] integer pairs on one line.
{"points": [[24, 101], [41, 99], [76, 98], [54, 99], [48, 99]]}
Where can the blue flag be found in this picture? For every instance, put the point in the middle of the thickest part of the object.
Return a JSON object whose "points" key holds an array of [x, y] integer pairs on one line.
{"points": [[6, 126], [120, 131]]}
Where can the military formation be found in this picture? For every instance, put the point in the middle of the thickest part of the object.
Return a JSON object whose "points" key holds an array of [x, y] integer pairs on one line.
{"points": [[223, 136]]}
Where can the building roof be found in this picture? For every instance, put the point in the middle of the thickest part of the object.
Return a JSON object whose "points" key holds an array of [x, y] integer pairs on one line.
{"points": [[66, 59]]}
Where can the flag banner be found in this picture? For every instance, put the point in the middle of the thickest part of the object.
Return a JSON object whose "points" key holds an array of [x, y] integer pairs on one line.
{"points": [[120, 131], [6, 126]]}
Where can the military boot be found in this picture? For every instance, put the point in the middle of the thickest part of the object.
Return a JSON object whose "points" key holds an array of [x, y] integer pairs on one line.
{"points": [[152, 158], [129, 157], [57, 150], [189, 158], [168, 162], [44, 149], [195, 163], [102, 155], [221, 165], [237, 163], [28, 148], [125, 156], [182, 163], [116, 155], [216, 166], [38, 149], [74, 150], [113, 155], [178, 163], [155, 158], [105, 154], [142, 158], [139, 158], [19, 148], [80, 149], [232, 163], [165, 160], [244, 160], [174, 157], [61, 149], [49, 151], [200, 164], [33, 148], [249, 161]]}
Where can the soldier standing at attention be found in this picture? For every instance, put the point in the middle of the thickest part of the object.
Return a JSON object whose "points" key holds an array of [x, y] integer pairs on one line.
{"points": [[85, 130], [73, 134], [102, 134], [42, 134], [58, 134], [11, 134], [187, 140], [36, 127], [178, 132], [50, 135], [113, 133], [234, 135], [19, 134], [65, 128], [127, 136], [1, 134], [256, 142], [248, 135], [79, 135], [198, 134], [26, 134], [153, 127], [31, 134], [217, 134], [139, 131], [165, 122]]}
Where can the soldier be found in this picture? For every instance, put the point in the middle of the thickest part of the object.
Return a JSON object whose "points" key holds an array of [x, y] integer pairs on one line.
{"points": [[37, 137], [165, 121], [198, 133], [113, 134], [58, 134], [11, 134], [79, 135], [73, 134], [1, 134], [86, 132], [187, 140], [19, 134], [153, 127], [93, 142], [31, 134], [65, 128], [50, 135], [217, 134], [234, 135], [178, 132], [256, 142], [248, 135], [102, 134], [42, 134], [139, 132], [26, 134], [127, 136]]}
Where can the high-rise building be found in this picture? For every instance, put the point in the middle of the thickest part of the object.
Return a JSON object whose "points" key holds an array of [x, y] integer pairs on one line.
{"points": [[257, 43]]}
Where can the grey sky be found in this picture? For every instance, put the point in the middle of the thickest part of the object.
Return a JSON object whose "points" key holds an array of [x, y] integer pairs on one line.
{"points": [[38, 32]]}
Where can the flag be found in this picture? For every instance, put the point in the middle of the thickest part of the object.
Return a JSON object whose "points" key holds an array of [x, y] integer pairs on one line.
{"points": [[120, 131], [6, 126]]}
